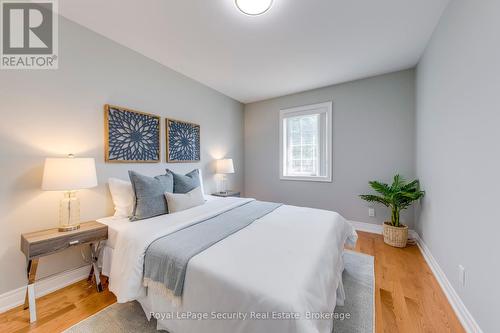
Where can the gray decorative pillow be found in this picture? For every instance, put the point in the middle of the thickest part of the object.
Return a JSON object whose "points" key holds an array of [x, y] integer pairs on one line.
{"points": [[187, 182], [150, 194]]}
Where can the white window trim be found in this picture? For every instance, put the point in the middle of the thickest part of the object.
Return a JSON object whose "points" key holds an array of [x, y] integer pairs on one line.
{"points": [[328, 149]]}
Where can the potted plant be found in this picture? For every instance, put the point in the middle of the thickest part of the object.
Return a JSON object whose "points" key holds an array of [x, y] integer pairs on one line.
{"points": [[397, 197]]}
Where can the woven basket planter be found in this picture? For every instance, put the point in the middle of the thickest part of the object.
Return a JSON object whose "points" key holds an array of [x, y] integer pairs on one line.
{"points": [[395, 236]]}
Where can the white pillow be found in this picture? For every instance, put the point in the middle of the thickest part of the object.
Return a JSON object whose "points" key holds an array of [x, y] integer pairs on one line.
{"points": [[182, 201], [201, 183], [123, 197]]}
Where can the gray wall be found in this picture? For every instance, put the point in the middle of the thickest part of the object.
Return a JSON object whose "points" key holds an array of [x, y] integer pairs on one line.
{"points": [[52, 113], [458, 137], [373, 138]]}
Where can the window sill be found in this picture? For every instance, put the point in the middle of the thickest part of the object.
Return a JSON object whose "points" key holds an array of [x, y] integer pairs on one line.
{"points": [[307, 179]]}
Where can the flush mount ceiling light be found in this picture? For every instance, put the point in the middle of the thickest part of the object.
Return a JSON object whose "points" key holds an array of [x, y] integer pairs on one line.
{"points": [[253, 7]]}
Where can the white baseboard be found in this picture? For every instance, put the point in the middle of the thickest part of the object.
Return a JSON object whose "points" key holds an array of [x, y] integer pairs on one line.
{"points": [[368, 227], [377, 228], [465, 317], [15, 297], [463, 314]]}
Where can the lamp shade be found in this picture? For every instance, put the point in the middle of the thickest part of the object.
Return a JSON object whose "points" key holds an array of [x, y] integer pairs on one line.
{"points": [[68, 174], [225, 166]]}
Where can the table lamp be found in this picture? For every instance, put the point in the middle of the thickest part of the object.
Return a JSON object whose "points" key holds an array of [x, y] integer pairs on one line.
{"points": [[224, 167], [69, 175]]}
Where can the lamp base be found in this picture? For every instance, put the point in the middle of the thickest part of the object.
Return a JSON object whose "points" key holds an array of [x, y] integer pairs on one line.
{"points": [[69, 212], [70, 227]]}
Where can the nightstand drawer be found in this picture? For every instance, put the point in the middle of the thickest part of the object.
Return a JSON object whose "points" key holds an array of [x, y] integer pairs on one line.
{"points": [[89, 236], [227, 194], [42, 243], [43, 248]]}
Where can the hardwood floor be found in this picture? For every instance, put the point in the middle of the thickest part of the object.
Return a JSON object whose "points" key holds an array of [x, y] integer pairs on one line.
{"points": [[407, 297], [58, 310]]}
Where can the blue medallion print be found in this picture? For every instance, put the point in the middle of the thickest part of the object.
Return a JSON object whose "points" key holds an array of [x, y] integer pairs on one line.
{"points": [[133, 136], [183, 141]]}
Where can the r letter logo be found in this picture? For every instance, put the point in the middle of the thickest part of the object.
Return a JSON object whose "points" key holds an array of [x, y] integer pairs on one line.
{"points": [[29, 34]]}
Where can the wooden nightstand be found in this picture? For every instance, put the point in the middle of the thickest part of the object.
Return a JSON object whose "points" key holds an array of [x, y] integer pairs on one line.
{"points": [[227, 194], [42, 243]]}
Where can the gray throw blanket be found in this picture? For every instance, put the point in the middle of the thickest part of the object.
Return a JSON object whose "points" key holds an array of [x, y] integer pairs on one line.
{"points": [[167, 258]]}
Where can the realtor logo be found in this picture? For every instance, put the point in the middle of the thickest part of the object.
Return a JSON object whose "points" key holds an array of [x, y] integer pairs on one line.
{"points": [[29, 34]]}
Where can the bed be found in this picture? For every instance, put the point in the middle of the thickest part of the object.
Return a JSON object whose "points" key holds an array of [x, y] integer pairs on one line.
{"points": [[281, 273]]}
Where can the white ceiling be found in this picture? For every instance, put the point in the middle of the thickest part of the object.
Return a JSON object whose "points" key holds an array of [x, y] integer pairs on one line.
{"points": [[297, 45]]}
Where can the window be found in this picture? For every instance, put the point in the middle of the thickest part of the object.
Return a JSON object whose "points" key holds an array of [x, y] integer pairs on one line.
{"points": [[306, 143]]}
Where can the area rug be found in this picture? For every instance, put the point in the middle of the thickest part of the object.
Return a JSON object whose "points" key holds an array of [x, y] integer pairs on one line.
{"points": [[356, 316]]}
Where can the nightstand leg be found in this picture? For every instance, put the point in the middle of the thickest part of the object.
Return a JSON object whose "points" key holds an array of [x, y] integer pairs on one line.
{"points": [[29, 300], [94, 250], [91, 274]]}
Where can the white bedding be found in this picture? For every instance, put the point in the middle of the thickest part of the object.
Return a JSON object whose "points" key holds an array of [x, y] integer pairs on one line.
{"points": [[289, 261], [117, 224]]}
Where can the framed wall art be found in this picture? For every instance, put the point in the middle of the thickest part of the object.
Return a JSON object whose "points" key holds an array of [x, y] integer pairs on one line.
{"points": [[131, 136], [183, 141]]}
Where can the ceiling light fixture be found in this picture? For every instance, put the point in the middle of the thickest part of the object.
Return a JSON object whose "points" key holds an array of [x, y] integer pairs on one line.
{"points": [[253, 7]]}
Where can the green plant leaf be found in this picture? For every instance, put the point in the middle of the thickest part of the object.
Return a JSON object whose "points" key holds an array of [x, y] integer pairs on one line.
{"points": [[375, 198], [412, 186], [399, 195], [397, 183], [381, 188]]}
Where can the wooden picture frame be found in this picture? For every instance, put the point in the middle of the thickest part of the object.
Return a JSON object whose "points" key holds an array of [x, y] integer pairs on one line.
{"points": [[184, 146], [123, 145]]}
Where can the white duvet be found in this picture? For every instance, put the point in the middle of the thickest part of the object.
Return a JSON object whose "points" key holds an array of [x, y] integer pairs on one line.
{"points": [[277, 275]]}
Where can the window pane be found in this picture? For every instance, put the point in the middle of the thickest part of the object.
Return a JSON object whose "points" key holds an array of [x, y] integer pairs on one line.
{"points": [[308, 137], [294, 124], [294, 131], [309, 123], [295, 139], [308, 152], [308, 167], [302, 145]]}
